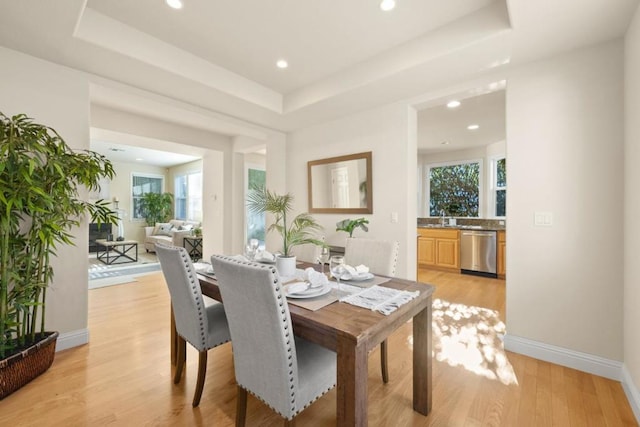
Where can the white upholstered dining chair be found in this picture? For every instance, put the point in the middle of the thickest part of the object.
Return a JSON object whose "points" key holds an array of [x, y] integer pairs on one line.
{"points": [[199, 321], [286, 372], [381, 256], [307, 252]]}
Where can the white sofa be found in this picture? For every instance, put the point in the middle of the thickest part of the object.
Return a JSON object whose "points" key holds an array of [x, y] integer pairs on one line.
{"points": [[170, 233]]}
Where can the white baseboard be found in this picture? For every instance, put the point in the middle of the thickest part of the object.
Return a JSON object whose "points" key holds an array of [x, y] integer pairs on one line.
{"points": [[633, 395], [72, 339], [561, 356]]}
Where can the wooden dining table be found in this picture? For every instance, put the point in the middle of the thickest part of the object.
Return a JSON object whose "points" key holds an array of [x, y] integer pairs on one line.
{"points": [[352, 332]]}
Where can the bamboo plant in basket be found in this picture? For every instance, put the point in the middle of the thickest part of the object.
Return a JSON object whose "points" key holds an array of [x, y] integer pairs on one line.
{"points": [[40, 183]]}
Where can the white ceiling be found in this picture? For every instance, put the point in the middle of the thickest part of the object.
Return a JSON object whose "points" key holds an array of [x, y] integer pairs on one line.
{"points": [[211, 64], [440, 124]]}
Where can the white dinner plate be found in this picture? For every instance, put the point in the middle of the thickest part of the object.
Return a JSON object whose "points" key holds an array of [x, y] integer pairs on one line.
{"points": [[309, 293], [358, 278]]}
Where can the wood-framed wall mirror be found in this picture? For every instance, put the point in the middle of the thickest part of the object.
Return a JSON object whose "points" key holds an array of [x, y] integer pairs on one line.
{"points": [[341, 184]]}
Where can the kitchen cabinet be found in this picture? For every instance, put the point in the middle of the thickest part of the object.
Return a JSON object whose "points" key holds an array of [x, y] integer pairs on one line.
{"points": [[501, 254], [439, 249]]}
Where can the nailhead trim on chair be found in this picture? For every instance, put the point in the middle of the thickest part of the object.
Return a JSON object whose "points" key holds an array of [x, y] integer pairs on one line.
{"points": [[195, 286], [276, 286]]}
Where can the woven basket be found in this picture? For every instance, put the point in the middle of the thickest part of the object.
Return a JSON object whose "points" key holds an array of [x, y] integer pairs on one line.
{"points": [[18, 369]]}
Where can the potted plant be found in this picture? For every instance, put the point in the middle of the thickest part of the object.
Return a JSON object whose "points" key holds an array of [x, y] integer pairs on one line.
{"points": [[298, 231], [40, 180], [156, 207], [349, 225]]}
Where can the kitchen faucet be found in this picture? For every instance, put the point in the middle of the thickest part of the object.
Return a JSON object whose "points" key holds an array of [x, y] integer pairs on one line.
{"points": [[442, 213]]}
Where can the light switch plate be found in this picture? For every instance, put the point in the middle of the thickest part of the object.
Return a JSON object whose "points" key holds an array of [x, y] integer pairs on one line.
{"points": [[394, 217], [543, 219]]}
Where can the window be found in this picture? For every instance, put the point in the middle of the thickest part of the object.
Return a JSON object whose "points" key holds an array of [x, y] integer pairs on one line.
{"points": [[188, 196], [454, 188], [255, 178], [499, 186], [140, 185]]}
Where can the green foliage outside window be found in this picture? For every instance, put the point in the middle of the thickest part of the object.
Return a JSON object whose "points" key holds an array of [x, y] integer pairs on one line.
{"points": [[455, 189], [256, 220], [501, 187]]}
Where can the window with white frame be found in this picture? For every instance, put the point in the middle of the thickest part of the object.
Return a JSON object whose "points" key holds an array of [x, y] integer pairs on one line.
{"points": [[499, 186], [141, 184], [453, 189], [188, 196]]}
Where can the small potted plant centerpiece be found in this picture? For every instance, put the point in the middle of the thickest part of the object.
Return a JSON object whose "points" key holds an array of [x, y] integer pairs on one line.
{"points": [[297, 231], [41, 179]]}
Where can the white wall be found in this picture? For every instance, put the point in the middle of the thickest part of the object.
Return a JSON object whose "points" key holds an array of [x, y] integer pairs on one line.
{"points": [[58, 97], [564, 143], [387, 132], [632, 214]]}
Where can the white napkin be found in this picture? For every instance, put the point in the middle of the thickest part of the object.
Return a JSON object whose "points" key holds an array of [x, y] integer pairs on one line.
{"points": [[362, 269], [297, 287], [265, 256], [351, 272], [316, 278]]}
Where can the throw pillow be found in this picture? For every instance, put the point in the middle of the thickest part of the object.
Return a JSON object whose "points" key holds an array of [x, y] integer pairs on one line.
{"points": [[162, 229], [186, 227]]}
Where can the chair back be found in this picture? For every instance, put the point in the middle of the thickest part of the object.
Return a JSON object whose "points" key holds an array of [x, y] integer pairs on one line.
{"points": [[264, 351], [186, 297], [307, 252], [380, 256]]}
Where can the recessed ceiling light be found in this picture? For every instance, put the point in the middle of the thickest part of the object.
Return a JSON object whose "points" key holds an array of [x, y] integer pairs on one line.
{"points": [[387, 5], [139, 159], [453, 104], [174, 4], [473, 127], [445, 142], [282, 63]]}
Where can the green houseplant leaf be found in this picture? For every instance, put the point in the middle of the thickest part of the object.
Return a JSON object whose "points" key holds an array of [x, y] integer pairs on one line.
{"points": [[349, 225], [156, 207], [298, 231], [40, 182]]}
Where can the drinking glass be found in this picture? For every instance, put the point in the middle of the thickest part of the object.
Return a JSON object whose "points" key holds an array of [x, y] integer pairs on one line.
{"points": [[251, 249], [336, 265], [323, 258]]}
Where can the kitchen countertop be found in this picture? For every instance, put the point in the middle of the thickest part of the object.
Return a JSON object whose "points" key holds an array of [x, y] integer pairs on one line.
{"points": [[463, 227]]}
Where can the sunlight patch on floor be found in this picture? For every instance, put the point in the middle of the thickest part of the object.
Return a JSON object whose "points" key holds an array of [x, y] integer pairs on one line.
{"points": [[471, 337]]}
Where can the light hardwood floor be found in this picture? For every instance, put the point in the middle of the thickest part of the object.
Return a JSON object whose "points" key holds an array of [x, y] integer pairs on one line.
{"points": [[123, 377]]}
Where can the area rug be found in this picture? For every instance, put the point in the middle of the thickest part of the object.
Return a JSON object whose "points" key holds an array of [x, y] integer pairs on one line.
{"points": [[101, 275]]}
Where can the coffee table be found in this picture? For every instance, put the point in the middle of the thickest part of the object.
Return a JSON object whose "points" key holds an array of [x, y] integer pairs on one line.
{"points": [[116, 252]]}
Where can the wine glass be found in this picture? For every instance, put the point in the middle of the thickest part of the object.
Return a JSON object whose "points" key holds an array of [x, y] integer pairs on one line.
{"points": [[336, 265], [251, 249], [323, 258]]}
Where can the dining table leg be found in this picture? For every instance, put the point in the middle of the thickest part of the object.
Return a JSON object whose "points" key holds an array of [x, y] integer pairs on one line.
{"points": [[352, 383], [422, 355]]}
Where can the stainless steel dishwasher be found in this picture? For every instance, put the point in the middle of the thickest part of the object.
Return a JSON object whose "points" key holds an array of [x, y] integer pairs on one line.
{"points": [[478, 252]]}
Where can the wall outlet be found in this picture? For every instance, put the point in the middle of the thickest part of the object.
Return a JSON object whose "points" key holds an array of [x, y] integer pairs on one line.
{"points": [[394, 217]]}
